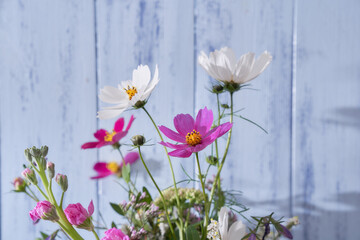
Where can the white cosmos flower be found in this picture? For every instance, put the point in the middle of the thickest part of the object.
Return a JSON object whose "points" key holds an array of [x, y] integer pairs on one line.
{"points": [[223, 66], [237, 230], [128, 93]]}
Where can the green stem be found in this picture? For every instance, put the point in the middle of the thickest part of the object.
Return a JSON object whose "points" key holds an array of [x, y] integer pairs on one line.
{"points": [[218, 124], [217, 178], [161, 195], [32, 197], [33, 194], [41, 191], [95, 234], [173, 177], [62, 200], [205, 198]]}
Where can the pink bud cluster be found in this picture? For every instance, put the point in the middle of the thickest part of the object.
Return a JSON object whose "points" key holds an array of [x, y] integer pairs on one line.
{"points": [[115, 234], [44, 210]]}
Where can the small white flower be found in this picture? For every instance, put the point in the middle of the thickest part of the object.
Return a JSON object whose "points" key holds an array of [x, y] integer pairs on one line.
{"points": [[128, 93], [222, 65], [213, 230], [237, 229]]}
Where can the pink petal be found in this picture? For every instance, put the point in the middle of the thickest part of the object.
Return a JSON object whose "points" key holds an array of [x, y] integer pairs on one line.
{"points": [[89, 145], [131, 157], [172, 135], [118, 136], [182, 153], [119, 125], [102, 144], [130, 123], [174, 146], [102, 175], [224, 128], [184, 123], [204, 120], [91, 208], [101, 168], [100, 134]]}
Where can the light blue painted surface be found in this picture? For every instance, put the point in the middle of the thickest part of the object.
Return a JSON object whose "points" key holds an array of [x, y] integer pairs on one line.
{"points": [[55, 56]]}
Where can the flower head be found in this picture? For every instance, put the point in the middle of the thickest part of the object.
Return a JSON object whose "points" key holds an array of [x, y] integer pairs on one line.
{"points": [[62, 180], [77, 215], [105, 138], [237, 229], [115, 234], [193, 135], [104, 169], [223, 66], [29, 174], [19, 184], [44, 210], [131, 93]]}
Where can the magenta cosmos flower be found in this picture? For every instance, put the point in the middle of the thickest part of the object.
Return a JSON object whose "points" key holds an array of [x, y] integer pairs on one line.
{"points": [[104, 169], [109, 138], [193, 135], [115, 234]]}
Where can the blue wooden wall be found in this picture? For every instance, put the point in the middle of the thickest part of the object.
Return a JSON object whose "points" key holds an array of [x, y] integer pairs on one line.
{"points": [[55, 55]]}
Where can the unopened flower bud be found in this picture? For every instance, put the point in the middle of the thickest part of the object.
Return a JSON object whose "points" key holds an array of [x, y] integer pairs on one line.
{"points": [[35, 152], [29, 174], [19, 184], [225, 106], [44, 150], [44, 210], [217, 89], [50, 167], [42, 162], [62, 181], [28, 155], [212, 160], [138, 140]]}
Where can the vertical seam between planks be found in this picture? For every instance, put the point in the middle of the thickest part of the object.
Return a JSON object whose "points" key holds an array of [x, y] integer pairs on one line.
{"points": [[97, 102], [293, 107], [194, 75], [0, 184]]}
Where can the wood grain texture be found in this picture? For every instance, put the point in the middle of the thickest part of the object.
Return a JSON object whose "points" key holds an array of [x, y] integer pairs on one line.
{"points": [[258, 164], [146, 32], [47, 97], [327, 123]]}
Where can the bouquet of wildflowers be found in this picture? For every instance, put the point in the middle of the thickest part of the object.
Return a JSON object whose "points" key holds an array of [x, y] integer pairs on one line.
{"points": [[210, 212]]}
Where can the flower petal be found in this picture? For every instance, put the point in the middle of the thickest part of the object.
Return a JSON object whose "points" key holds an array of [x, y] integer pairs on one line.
{"points": [[243, 67], [184, 123], [110, 113], [89, 145], [100, 134], [101, 176], [181, 153], [204, 120], [172, 134], [119, 125], [131, 158], [101, 167], [223, 222], [118, 136], [132, 118], [111, 94], [230, 58], [103, 143], [174, 146], [91, 208], [141, 78], [237, 231], [152, 84], [260, 65]]}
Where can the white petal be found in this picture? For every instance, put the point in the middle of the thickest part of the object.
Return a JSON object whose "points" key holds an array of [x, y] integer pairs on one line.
{"points": [[152, 84], [112, 95], [260, 65], [230, 58], [244, 67], [223, 69], [237, 231], [223, 222], [141, 77], [107, 114]]}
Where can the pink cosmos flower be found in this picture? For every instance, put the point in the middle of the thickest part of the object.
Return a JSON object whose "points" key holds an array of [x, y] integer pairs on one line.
{"points": [[115, 234], [77, 214], [44, 210], [193, 135], [109, 138], [104, 169]]}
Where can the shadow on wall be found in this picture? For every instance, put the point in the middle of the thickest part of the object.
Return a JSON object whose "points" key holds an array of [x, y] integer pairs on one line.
{"points": [[332, 218], [346, 116]]}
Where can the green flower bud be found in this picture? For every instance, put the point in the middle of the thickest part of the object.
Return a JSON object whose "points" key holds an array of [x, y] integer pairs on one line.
{"points": [[62, 181], [44, 150], [28, 155], [19, 184], [41, 162], [225, 106], [50, 167], [35, 152], [212, 160], [30, 175], [232, 87], [217, 89], [139, 104], [138, 140]]}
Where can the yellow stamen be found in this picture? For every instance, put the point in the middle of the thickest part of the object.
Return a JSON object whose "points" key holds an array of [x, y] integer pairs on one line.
{"points": [[193, 138], [113, 167], [109, 136], [131, 91]]}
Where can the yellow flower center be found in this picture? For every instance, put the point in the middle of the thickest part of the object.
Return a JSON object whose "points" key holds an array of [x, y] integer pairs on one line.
{"points": [[131, 91], [109, 136], [193, 138], [113, 167]]}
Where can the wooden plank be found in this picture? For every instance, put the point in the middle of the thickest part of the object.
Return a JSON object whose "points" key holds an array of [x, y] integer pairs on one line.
{"points": [[146, 32], [258, 163], [47, 97], [327, 124]]}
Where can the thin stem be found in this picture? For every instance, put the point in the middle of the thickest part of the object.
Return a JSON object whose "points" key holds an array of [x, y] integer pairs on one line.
{"points": [[217, 178], [161, 195], [33, 194], [41, 191], [173, 177], [36, 200], [95, 234], [218, 124], [205, 197], [62, 200]]}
